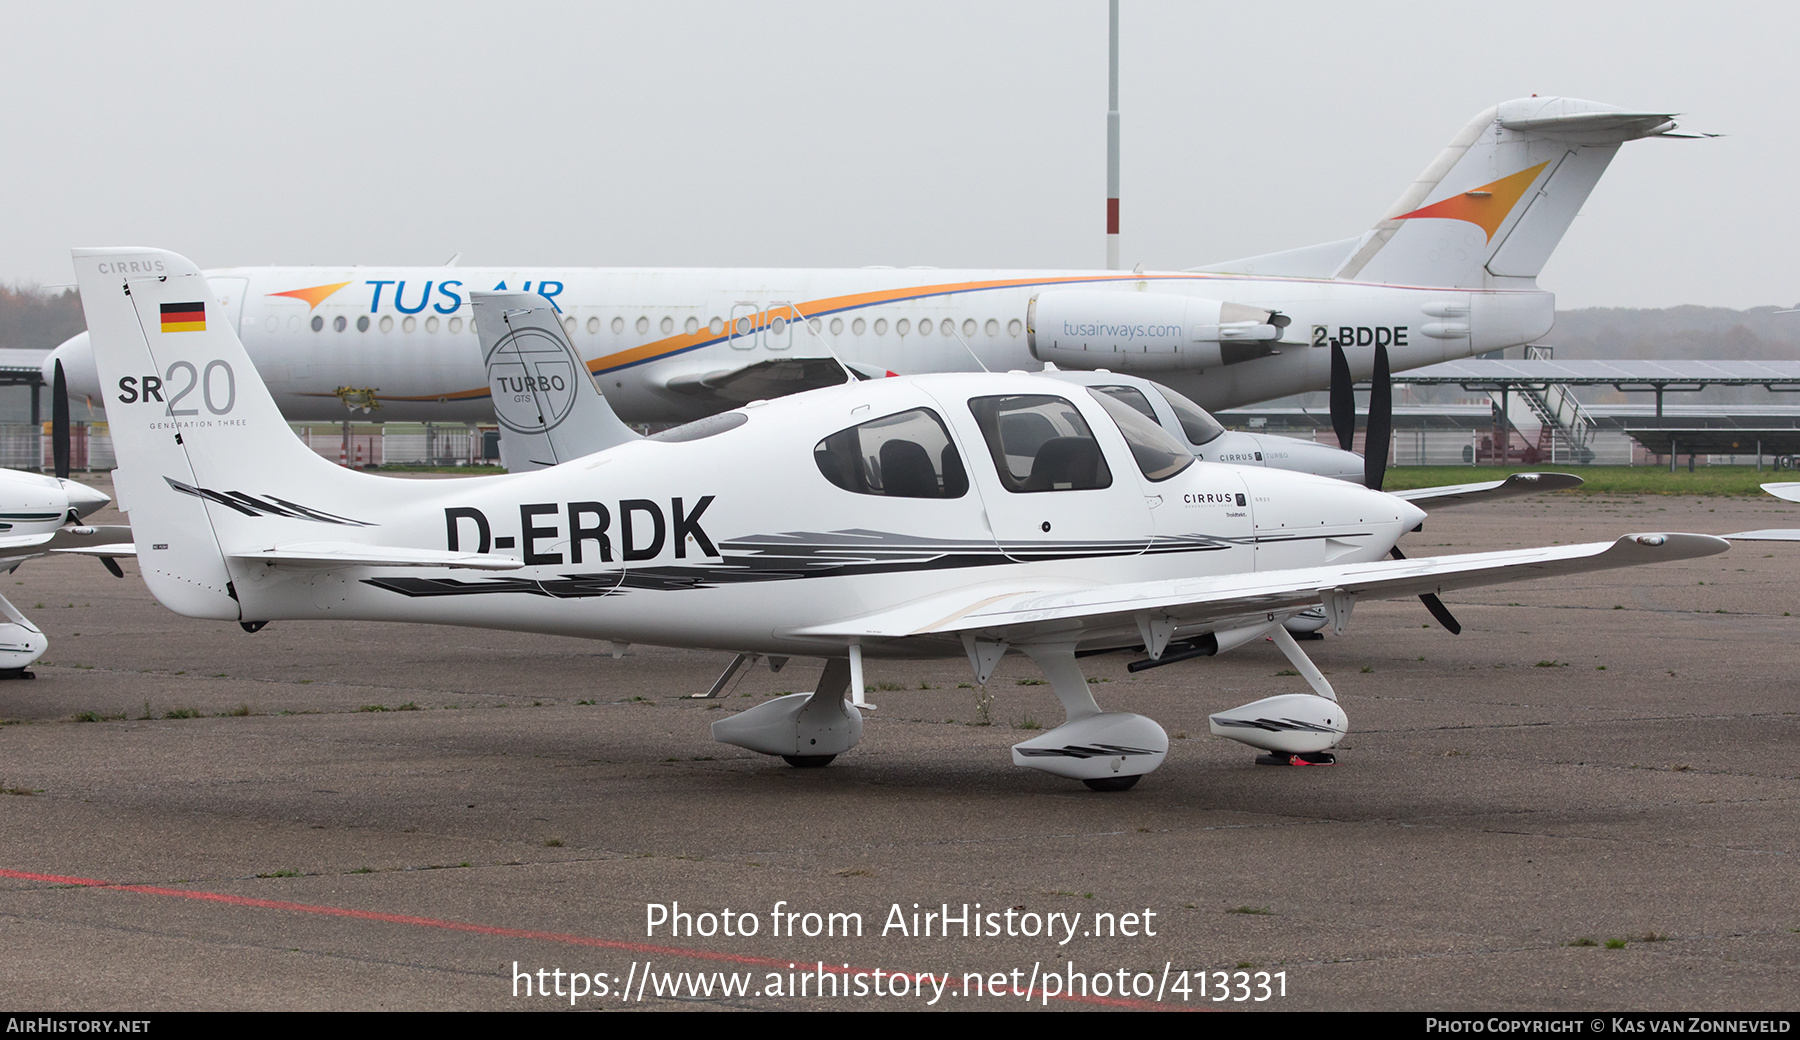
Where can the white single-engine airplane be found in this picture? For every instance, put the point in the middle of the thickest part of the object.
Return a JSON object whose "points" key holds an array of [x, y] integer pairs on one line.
{"points": [[40, 514], [910, 517], [552, 413], [1450, 270]]}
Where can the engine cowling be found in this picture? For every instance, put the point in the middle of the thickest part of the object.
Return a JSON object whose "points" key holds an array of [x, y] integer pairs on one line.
{"points": [[1147, 332]]}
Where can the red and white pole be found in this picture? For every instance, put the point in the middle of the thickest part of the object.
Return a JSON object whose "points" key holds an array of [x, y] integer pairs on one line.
{"points": [[1112, 139]]}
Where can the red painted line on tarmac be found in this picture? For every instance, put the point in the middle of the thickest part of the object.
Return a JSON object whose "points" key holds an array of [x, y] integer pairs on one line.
{"points": [[555, 937]]}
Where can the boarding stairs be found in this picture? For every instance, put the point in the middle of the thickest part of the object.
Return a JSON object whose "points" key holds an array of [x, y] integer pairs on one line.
{"points": [[1565, 430]]}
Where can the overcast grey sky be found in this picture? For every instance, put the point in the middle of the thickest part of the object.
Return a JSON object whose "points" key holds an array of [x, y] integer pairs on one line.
{"points": [[842, 134]]}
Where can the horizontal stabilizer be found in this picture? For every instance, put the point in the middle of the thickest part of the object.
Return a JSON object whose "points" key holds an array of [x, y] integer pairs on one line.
{"points": [[352, 554], [1786, 491], [1602, 127]]}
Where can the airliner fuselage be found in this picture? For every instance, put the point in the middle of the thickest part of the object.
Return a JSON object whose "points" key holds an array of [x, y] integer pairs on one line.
{"points": [[666, 344]]}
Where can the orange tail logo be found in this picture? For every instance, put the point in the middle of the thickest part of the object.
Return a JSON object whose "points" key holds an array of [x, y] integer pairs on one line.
{"points": [[1487, 206], [314, 295]]}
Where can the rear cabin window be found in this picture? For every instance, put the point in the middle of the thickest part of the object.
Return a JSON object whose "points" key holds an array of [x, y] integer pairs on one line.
{"points": [[1040, 443], [906, 455]]}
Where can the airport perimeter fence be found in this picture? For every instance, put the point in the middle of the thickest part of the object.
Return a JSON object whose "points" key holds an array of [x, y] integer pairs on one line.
{"points": [[400, 444], [1464, 447], [23, 446]]}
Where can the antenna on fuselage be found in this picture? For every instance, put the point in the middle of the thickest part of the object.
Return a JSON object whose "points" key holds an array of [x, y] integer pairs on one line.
{"points": [[971, 350], [818, 332]]}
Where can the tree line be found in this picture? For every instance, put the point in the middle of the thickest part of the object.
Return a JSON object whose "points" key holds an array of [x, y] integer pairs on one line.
{"points": [[31, 317]]}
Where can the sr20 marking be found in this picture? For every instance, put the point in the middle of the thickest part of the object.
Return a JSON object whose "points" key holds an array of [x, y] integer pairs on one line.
{"points": [[133, 389]]}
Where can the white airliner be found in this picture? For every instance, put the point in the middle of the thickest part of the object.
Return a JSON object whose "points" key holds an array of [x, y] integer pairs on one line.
{"points": [[909, 517], [1450, 270]]}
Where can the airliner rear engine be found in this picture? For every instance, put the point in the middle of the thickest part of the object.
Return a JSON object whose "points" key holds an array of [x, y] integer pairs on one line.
{"points": [[1154, 332]]}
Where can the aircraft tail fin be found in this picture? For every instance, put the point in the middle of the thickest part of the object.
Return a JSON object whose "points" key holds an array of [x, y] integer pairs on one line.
{"points": [[208, 467], [549, 408], [1490, 208]]}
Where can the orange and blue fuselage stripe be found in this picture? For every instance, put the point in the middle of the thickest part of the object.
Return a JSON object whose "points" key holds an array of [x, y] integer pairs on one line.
{"points": [[184, 317], [681, 344]]}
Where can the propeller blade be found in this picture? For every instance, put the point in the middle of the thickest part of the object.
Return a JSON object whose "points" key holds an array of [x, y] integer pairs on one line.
{"points": [[1381, 422], [1442, 613], [1343, 398], [59, 421], [1433, 604]]}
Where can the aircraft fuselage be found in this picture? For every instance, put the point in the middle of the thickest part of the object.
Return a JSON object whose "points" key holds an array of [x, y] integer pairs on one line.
{"points": [[323, 338]]}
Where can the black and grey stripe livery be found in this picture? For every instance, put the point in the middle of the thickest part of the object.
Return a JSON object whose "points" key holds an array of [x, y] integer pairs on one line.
{"points": [[250, 505], [1085, 751], [802, 554]]}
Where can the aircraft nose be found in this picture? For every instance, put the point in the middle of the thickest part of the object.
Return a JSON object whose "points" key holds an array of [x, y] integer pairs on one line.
{"points": [[1311, 457], [84, 499], [1384, 509]]}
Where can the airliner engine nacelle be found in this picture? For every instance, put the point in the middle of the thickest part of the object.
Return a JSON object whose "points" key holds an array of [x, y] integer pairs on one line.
{"points": [[1153, 332]]}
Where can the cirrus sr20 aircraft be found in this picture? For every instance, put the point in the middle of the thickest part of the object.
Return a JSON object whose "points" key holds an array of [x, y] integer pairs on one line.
{"points": [[963, 515], [1450, 270]]}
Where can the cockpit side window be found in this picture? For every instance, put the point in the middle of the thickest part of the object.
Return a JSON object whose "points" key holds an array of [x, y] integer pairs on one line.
{"points": [[905, 455], [1040, 443], [1158, 454]]}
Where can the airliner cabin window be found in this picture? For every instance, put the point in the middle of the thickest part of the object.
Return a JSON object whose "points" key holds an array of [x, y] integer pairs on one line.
{"points": [[907, 455], [1040, 443]]}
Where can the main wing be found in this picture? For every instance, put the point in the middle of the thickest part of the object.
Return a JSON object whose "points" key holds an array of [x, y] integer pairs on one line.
{"points": [[1096, 615], [1491, 490], [115, 538]]}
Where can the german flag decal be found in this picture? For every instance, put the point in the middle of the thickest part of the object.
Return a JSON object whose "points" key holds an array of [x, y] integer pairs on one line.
{"points": [[184, 317]]}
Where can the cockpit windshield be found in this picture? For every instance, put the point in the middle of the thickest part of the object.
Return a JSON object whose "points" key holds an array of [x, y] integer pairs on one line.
{"points": [[1196, 422], [1159, 455]]}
